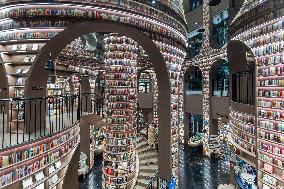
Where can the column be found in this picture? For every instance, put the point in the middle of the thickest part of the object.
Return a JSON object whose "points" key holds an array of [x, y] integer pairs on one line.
{"points": [[155, 120], [154, 86], [119, 165], [181, 110], [206, 112]]}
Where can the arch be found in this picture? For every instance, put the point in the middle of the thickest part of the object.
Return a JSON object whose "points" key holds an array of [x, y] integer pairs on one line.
{"points": [[215, 66], [237, 53], [241, 58], [242, 81], [57, 44]]}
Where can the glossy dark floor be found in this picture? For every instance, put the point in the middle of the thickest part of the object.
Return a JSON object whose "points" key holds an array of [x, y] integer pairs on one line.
{"points": [[94, 179], [196, 171], [199, 172]]}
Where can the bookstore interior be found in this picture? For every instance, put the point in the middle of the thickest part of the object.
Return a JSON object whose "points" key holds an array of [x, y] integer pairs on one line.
{"points": [[142, 94]]}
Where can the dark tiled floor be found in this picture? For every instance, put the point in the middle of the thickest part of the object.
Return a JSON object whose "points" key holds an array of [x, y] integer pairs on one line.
{"points": [[94, 179], [198, 172]]}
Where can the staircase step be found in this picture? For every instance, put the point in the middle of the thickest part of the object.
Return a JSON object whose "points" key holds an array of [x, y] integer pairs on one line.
{"points": [[152, 160], [148, 168], [147, 155], [141, 183], [146, 175], [145, 149]]}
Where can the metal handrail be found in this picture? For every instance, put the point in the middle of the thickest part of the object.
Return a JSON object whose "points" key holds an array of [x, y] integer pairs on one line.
{"points": [[34, 98], [26, 119]]}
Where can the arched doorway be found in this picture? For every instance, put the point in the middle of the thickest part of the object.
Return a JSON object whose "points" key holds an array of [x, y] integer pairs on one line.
{"points": [[243, 118], [77, 30], [242, 65]]}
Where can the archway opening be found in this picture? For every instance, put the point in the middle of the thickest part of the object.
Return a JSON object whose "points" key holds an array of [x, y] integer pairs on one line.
{"points": [[243, 111], [243, 77], [52, 49]]}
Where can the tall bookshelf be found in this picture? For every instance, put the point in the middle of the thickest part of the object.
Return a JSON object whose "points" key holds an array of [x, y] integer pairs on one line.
{"points": [[264, 35], [39, 164], [119, 164], [268, 49]]}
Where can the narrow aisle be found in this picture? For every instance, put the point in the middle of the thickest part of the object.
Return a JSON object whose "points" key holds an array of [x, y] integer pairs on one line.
{"points": [[199, 172], [94, 179]]}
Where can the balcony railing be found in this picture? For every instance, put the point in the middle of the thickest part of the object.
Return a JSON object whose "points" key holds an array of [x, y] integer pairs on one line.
{"points": [[26, 119]]}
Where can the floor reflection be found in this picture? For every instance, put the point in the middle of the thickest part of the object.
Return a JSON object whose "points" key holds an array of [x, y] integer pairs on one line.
{"points": [[94, 179], [196, 171], [199, 172]]}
